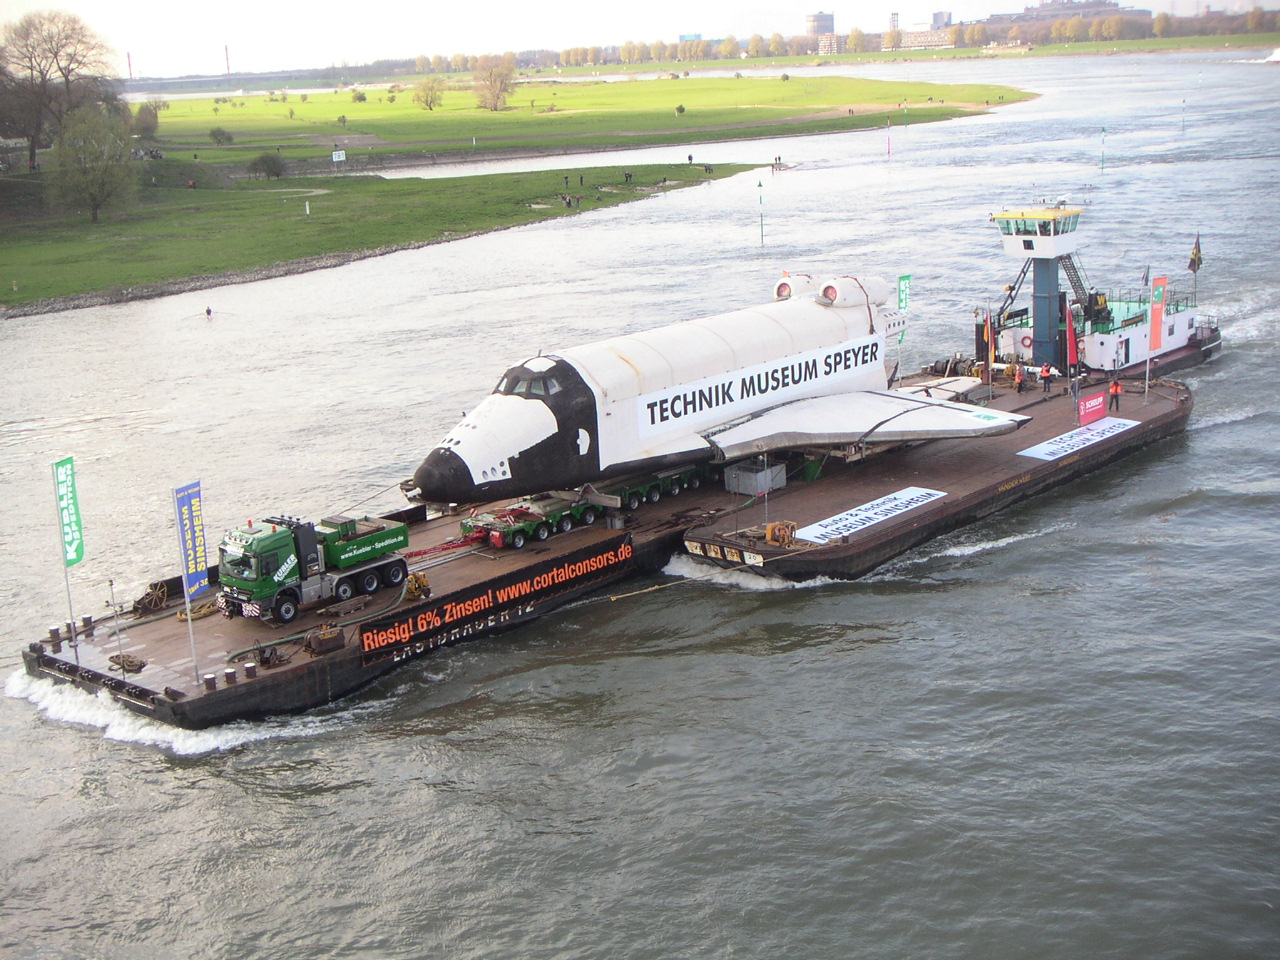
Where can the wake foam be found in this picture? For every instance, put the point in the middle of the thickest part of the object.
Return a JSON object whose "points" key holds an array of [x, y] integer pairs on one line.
{"points": [[682, 565], [70, 704]]}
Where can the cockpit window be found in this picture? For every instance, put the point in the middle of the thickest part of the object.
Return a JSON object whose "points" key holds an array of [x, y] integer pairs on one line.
{"points": [[527, 386]]}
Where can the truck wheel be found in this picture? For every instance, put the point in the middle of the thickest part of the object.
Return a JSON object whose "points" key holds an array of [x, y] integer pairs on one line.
{"points": [[517, 540], [344, 590], [694, 482], [394, 574], [565, 524], [369, 582], [655, 494], [286, 610], [588, 516], [633, 501], [541, 531]]}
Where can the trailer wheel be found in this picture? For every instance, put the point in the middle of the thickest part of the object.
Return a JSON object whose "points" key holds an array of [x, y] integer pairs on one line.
{"points": [[588, 516], [517, 540], [286, 609], [633, 500], [655, 494], [541, 531], [694, 482], [394, 574], [675, 487], [565, 524], [369, 582], [344, 590]]}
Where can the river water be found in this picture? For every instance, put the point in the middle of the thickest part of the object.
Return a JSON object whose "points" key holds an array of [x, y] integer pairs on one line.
{"points": [[1053, 734]]}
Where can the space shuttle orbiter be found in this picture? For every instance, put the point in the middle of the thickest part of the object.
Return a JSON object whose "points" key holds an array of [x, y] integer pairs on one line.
{"points": [[807, 369]]}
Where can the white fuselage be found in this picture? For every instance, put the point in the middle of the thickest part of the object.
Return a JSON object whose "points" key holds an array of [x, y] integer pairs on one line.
{"points": [[647, 399]]}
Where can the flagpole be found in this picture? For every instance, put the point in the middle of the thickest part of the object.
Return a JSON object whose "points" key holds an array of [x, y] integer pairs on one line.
{"points": [[66, 579], [182, 580], [66, 510]]}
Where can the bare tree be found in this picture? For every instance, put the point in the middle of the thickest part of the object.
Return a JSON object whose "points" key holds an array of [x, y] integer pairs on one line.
{"points": [[493, 81], [50, 64]]}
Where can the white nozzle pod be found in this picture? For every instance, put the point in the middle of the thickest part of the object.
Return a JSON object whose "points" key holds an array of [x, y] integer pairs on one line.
{"points": [[855, 291], [794, 285]]}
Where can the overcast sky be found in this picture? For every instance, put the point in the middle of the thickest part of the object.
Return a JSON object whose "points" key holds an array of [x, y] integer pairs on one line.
{"points": [[176, 39]]}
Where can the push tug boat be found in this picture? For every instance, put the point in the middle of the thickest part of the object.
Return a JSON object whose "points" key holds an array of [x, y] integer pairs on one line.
{"points": [[1115, 334]]}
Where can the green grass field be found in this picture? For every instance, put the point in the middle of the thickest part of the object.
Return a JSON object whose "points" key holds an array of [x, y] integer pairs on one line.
{"points": [[179, 233], [546, 115], [230, 224]]}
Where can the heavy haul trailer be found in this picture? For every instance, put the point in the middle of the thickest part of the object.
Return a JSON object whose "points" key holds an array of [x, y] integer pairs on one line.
{"points": [[283, 563], [538, 517]]}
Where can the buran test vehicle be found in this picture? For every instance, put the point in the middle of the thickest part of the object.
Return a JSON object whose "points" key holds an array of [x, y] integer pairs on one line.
{"points": [[807, 370]]}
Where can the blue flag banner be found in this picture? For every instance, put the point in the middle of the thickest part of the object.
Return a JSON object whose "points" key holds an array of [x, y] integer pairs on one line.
{"points": [[195, 564]]}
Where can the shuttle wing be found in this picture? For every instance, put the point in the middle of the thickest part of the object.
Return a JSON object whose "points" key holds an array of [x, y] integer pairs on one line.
{"points": [[876, 416]]}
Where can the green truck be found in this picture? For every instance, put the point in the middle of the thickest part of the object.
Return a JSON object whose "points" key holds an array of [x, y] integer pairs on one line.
{"points": [[274, 567]]}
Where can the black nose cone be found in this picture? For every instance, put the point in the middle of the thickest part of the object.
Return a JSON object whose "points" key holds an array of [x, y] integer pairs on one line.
{"points": [[444, 478]]}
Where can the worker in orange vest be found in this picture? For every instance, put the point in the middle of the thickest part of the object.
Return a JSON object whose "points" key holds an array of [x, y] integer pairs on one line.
{"points": [[1115, 390], [1046, 377], [1019, 375]]}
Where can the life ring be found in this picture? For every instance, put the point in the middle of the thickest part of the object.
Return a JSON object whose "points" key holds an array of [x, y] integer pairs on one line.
{"points": [[1026, 341], [1080, 345]]}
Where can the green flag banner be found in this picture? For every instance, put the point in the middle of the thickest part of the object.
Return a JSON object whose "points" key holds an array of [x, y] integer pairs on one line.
{"points": [[64, 482], [904, 291]]}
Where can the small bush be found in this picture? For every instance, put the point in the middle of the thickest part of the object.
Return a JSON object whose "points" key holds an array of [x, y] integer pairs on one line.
{"points": [[267, 165], [679, 109], [221, 136], [357, 96]]}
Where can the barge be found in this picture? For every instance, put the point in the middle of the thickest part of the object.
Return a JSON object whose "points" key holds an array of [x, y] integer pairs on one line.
{"points": [[212, 670], [864, 513], [838, 516]]}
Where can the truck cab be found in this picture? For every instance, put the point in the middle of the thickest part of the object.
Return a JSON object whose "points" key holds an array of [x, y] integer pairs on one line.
{"points": [[273, 567]]}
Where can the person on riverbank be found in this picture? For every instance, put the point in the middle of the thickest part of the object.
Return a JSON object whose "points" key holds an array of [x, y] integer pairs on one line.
{"points": [[1114, 390], [1019, 377], [1046, 377]]}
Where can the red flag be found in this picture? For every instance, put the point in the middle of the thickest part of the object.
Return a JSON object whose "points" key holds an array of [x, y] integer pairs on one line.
{"points": [[1073, 353]]}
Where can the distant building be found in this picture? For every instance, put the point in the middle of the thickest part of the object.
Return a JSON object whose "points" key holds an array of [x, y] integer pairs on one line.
{"points": [[940, 21], [819, 24], [927, 39], [1069, 10], [831, 43], [690, 37], [893, 21]]}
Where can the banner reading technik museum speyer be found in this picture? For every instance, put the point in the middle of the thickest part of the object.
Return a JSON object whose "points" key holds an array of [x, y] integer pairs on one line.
{"points": [[64, 484], [195, 564]]}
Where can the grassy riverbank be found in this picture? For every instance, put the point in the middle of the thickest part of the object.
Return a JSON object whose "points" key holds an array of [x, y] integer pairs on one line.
{"points": [[174, 237], [546, 115], [178, 234]]}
